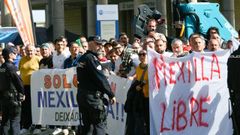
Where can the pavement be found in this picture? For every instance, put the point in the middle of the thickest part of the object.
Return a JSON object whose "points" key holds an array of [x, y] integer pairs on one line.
{"points": [[48, 132]]}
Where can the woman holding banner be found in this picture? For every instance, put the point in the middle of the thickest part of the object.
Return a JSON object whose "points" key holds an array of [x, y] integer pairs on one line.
{"points": [[138, 113]]}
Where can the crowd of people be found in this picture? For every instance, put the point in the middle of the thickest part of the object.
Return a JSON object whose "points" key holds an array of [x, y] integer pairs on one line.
{"points": [[117, 56]]}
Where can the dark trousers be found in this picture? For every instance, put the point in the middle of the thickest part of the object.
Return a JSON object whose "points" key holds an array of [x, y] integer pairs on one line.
{"points": [[90, 124], [26, 115], [137, 123], [130, 124], [10, 124]]}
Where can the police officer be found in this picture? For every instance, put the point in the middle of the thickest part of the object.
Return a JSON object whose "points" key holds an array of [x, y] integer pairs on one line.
{"points": [[11, 94], [234, 88], [91, 88]]}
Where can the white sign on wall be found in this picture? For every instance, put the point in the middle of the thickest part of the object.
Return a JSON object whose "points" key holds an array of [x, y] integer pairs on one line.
{"points": [[107, 12]]}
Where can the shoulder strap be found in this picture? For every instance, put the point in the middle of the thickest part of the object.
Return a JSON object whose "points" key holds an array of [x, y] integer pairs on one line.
{"points": [[144, 71]]}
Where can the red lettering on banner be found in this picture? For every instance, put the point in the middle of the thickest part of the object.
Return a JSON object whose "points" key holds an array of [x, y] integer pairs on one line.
{"points": [[203, 77], [189, 71], [193, 103], [181, 115], [174, 111], [47, 81], [215, 60], [65, 82], [180, 118], [162, 129], [56, 81], [75, 82], [172, 73], [181, 71], [157, 78], [195, 69], [158, 67], [201, 111]]}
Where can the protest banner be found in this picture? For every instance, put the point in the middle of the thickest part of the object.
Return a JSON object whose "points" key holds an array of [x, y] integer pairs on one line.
{"points": [[189, 95], [53, 96], [22, 16]]}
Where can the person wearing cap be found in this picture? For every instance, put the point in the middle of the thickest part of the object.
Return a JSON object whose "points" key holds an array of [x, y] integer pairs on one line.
{"points": [[92, 85], [12, 93], [46, 61]]}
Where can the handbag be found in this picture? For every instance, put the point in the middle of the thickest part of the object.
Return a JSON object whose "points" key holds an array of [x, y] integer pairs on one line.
{"points": [[134, 96]]}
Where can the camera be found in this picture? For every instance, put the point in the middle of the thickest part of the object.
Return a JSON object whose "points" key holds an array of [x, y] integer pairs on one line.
{"points": [[127, 62], [145, 13]]}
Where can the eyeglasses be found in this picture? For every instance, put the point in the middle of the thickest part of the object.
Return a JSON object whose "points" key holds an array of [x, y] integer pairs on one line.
{"points": [[142, 54]]}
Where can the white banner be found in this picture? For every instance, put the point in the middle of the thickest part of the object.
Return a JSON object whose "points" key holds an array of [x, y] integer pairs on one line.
{"points": [[53, 95], [189, 95]]}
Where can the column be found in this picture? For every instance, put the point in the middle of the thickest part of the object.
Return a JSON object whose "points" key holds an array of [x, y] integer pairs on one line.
{"points": [[91, 17], [162, 8], [48, 9], [58, 18], [6, 18]]}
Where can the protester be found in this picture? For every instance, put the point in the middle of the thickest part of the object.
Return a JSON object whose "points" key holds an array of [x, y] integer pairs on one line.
{"points": [[107, 47], [177, 48], [124, 40], [141, 103], [59, 55], [65, 45], [12, 93], [27, 65], [37, 51], [72, 60], [92, 85], [161, 46], [22, 51], [197, 43], [46, 61], [151, 25], [214, 45], [1, 57]]}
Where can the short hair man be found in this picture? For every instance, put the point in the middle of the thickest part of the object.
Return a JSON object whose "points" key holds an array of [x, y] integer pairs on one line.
{"points": [[72, 60], [92, 86], [214, 45], [198, 43], [177, 47]]}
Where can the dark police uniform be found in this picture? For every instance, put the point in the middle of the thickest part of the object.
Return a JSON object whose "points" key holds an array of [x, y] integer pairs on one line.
{"points": [[92, 85], [10, 98], [234, 87]]}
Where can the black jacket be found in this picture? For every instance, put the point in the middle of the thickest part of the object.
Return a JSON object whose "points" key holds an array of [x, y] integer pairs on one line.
{"points": [[234, 86], [91, 78], [13, 77]]}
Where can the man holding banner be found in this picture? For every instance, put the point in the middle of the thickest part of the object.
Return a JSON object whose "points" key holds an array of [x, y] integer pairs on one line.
{"points": [[91, 89]]}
